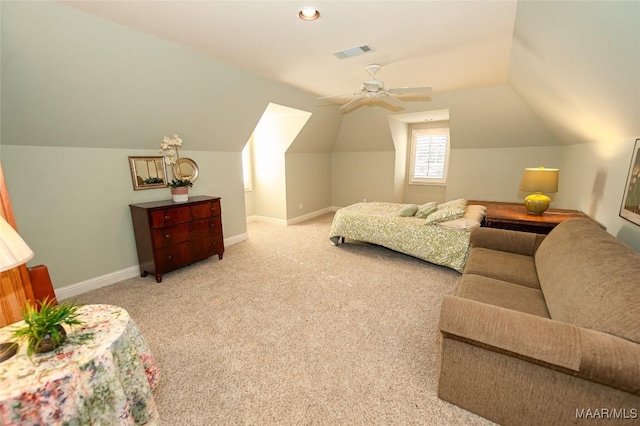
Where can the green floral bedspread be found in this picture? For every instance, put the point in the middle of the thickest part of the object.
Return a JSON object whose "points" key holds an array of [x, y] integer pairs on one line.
{"points": [[380, 223]]}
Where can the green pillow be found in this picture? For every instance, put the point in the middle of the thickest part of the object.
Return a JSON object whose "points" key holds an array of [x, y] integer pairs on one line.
{"points": [[444, 215], [425, 210], [408, 210]]}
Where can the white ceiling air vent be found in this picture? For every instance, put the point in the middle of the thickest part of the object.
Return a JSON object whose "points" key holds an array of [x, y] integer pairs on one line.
{"points": [[354, 51]]}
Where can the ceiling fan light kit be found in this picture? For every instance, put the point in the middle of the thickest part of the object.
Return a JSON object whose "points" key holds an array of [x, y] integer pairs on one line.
{"points": [[374, 89]]}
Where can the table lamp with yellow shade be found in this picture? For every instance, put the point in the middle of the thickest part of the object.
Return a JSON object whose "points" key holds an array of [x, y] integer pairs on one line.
{"points": [[540, 181]]}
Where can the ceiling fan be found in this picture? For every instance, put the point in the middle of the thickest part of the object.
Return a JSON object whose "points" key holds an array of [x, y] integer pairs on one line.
{"points": [[374, 89]]}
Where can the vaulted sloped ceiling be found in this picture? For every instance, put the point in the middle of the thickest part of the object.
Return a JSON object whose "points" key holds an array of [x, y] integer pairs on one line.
{"points": [[577, 65]]}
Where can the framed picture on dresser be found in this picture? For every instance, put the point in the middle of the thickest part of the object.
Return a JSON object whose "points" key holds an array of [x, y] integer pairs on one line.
{"points": [[630, 208]]}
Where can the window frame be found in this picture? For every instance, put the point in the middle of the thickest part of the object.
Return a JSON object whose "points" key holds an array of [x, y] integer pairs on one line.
{"points": [[415, 133]]}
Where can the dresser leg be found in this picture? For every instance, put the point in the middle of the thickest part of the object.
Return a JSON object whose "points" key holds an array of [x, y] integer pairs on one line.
{"points": [[220, 256], [158, 278], [144, 274]]}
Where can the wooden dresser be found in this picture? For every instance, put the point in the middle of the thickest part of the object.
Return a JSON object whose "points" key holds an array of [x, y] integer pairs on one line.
{"points": [[172, 235]]}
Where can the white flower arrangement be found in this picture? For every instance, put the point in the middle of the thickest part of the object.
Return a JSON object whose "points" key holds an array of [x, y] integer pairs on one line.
{"points": [[169, 149]]}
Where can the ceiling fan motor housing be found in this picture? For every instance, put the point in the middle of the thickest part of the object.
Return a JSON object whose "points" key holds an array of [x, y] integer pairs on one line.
{"points": [[372, 85]]}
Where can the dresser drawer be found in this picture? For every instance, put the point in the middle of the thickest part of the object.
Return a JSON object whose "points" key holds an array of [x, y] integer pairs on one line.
{"points": [[176, 215], [182, 254], [185, 231]]}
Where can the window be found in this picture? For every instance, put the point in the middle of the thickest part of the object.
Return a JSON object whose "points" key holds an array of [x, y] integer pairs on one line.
{"points": [[429, 156]]}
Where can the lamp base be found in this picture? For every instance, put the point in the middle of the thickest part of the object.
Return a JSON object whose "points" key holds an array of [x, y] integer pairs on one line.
{"points": [[537, 203]]}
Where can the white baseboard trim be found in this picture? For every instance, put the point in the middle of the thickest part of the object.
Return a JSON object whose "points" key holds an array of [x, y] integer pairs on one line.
{"points": [[308, 216], [97, 282], [72, 290], [235, 239], [287, 222], [271, 220]]}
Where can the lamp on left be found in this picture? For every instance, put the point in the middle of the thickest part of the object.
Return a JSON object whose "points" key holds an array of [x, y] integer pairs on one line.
{"points": [[13, 253], [13, 250]]}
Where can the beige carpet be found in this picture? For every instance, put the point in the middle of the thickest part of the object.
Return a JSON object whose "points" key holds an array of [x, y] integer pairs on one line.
{"points": [[289, 329]]}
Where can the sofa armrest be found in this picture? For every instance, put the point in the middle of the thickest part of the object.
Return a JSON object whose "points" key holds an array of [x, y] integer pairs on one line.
{"points": [[610, 360], [561, 346], [517, 333], [517, 242]]}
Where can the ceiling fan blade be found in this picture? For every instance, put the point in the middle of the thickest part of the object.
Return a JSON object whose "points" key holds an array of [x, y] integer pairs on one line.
{"points": [[351, 102], [408, 90], [390, 99], [338, 96]]}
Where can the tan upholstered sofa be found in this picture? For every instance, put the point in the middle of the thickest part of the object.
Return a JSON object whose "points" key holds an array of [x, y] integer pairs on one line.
{"points": [[545, 330]]}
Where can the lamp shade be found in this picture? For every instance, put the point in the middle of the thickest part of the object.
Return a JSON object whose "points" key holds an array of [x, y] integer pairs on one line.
{"points": [[540, 180], [13, 250]]}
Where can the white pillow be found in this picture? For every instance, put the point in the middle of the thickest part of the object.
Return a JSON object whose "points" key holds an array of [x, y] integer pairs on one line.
{"points": [[472, 218], [444, 215], [458, 203], [476, 212]]}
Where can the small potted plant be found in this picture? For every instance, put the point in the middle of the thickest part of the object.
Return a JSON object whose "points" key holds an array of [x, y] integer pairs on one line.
{"points": [[152, 180], [43, 328], [180, 189]]}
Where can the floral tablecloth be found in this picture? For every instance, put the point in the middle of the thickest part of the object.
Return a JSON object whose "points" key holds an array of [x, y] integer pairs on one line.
{"points": [[103, 374]]}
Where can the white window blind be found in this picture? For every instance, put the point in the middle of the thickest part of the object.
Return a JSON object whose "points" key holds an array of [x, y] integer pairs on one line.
{"points": [[429, 156]]}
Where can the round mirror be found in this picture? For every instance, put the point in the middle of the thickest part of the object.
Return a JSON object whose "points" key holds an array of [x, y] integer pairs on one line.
{"points": [[185, 168]]}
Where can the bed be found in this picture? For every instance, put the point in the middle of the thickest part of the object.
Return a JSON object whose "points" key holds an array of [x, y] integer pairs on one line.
{"points": [[438, 237]]}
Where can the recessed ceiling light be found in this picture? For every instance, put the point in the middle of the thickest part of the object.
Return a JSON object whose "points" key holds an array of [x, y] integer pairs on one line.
{"points": [[309, 13]]}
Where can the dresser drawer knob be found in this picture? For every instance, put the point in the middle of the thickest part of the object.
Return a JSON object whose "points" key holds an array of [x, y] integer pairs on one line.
{"points": [[169, 257], [167, 236], [166, 217]]}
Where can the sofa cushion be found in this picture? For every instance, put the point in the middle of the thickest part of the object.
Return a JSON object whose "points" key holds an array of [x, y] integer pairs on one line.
{"points": [[503, 294], [590, 279], [504, 266]]}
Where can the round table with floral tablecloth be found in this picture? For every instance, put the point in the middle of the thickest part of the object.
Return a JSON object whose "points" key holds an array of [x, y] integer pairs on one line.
{"points": [[103, 374]]}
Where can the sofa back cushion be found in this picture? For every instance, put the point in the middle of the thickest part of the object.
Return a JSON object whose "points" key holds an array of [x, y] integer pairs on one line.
{"points": [[590, 279]]}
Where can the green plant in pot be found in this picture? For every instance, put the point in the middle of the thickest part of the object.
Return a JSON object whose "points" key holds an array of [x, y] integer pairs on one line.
{"points": [[177, 183], [43, 328], [180, 189]]}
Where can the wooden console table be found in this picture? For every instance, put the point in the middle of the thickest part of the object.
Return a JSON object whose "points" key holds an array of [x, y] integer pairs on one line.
{"points": [[514, 216]]}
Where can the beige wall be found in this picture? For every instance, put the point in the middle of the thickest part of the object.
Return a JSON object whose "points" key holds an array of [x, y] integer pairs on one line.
{"points": [[72, 204], [308, 183], [494, 174], [362, 175], [593, 178], [276, 131]]}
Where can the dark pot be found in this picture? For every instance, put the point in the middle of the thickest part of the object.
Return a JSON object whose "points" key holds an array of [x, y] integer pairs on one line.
{"points": [[48, 344]]}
